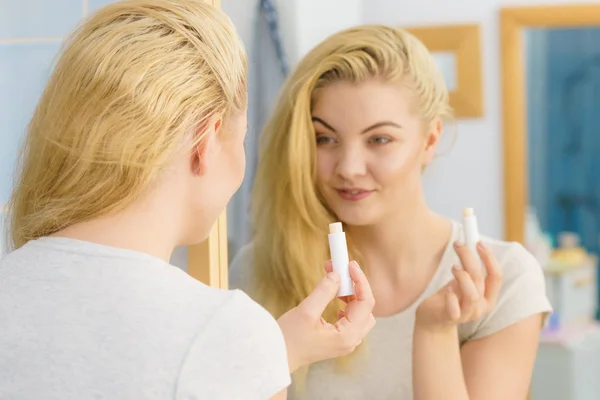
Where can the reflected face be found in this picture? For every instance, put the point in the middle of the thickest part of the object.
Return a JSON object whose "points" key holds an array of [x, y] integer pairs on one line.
{"points": [[371, 148]]}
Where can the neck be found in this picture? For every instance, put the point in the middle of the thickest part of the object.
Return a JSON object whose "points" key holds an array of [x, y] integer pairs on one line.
{"points": [[403, 242], [149, 226]]}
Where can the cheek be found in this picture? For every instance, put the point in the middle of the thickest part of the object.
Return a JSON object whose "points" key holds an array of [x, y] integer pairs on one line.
{"points": [[240, 158], [395, 165], [325, 165]]}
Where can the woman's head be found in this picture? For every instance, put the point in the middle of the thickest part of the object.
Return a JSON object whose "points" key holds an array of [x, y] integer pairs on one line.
{"points": [[367, 106], [362, 110], [144, 91]]}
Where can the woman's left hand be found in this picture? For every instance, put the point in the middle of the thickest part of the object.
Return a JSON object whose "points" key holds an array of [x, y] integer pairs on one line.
{"points": [[469, 296]]}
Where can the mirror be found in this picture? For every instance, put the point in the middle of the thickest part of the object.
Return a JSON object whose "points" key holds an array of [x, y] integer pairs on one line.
{"points": [[551, 68], [563, 99]]}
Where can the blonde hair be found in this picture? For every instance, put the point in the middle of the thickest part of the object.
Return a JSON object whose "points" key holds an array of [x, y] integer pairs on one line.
{"points": [[130, 83], [290, 219]]}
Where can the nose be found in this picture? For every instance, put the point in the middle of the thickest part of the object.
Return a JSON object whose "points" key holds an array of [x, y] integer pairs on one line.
{"points": [[351, 162]]}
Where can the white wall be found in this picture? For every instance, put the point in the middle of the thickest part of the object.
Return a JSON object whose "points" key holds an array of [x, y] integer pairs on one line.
{"points": [[472, 173], [303, 23], [243, 13]]}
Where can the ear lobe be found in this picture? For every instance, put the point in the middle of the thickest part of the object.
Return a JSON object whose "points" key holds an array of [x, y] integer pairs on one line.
{"points": [[205, 138]]}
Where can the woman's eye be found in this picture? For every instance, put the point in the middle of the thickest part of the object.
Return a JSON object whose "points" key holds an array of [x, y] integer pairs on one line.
{"points": [[380, 140], [324, 140]]}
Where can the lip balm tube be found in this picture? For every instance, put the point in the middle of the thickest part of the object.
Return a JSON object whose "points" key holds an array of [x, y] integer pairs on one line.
{"points": [[338, 249], [471, 231]]}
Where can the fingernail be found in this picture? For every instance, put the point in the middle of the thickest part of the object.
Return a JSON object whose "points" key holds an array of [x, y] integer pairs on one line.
{"points": [[334, 277], [458, 244], [480, 246], [456, 268]]}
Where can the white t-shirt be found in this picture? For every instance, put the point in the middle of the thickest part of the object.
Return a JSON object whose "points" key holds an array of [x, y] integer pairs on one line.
{"points": [[85, 321], [384, 370]]}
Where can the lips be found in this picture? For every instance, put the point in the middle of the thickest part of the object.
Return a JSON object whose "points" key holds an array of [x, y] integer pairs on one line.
{"points": [[354, 194]]}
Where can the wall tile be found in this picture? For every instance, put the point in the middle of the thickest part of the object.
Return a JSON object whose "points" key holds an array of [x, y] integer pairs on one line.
{"points": [[38, 18], [24, 69]]}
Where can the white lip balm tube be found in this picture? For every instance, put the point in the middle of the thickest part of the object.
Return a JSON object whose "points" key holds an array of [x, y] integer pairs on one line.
{"points": [[339, 257], [471, 230]]}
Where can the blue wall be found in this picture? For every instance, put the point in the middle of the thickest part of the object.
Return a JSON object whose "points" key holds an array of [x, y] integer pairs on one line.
{"points": [[31, 32]]}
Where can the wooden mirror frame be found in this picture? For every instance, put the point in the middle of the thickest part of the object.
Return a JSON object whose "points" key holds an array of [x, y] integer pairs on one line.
{"points": [[464, 41], [514, 97], [207, 261]]}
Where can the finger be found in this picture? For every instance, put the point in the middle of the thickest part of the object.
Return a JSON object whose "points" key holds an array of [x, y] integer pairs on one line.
{"points": [[347, 299], [452, 305], [341, 314], [328, 266], [470, 295], [362, 288], [314, 305], [471, 264], [363, 305], [493, 280]]}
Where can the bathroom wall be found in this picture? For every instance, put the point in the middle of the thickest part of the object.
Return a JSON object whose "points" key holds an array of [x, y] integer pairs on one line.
{"points": [[31, 33]]}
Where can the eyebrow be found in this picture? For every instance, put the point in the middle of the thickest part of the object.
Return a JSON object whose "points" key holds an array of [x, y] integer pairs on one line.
{"points": [[370, 128]]}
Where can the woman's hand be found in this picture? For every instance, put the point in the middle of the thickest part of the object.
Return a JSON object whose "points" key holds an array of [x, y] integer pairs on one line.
{"points": [[468, 296], [310, 339]]}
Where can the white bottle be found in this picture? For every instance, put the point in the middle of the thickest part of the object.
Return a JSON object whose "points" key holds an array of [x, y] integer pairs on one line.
{"points": [[339, 258], [471, 231]]}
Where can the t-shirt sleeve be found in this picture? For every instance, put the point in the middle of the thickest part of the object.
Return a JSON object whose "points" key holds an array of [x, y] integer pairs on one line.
{"points": [[240, 355], [522, 295]]}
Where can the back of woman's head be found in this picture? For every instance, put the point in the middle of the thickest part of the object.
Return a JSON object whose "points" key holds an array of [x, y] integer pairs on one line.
{"points": [[129, 84], [290, 216]]}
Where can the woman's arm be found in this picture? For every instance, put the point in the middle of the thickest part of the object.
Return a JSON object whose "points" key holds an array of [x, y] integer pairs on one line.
{"points": [[498, 361], [437, 366], [498, 366]]}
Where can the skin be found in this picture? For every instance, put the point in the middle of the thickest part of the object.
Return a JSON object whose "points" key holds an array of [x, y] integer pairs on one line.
{"points": [[181, 208], [370, 137]]}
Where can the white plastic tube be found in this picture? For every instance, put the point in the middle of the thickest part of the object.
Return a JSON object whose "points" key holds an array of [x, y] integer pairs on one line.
{"points": [[471, 231], [338, 249]]}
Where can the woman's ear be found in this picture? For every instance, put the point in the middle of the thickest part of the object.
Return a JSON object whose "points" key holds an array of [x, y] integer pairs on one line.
{"points": [[205, 139], [432, 140]]}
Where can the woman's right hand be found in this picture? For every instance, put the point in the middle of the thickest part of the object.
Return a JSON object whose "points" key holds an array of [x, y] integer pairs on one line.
{"points": [[310, 339]]}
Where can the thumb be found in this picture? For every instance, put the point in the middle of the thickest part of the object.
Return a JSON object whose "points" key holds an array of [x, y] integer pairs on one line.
{"points": [[318, 300]]}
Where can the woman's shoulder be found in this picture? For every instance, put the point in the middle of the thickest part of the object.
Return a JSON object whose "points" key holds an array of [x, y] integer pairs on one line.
{"points": [[513, 258], [241, 268], [523, 291]]}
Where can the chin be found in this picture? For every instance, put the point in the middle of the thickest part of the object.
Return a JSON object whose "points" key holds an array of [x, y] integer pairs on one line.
{"points": [[356, 216]]}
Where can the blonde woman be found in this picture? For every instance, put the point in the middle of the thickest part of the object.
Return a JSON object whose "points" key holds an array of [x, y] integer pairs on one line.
{"points": [[357, 122], [135, 147]]}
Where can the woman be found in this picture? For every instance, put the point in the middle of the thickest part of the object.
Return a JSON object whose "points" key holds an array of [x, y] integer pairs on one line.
{"points": [[357, 122], [135, 147]]}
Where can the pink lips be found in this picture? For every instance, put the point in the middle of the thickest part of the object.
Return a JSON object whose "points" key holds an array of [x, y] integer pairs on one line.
{"points": [[354, 194]]}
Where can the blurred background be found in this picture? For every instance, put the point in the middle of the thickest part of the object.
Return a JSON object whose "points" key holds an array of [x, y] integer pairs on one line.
{"points": [[554, 64]]}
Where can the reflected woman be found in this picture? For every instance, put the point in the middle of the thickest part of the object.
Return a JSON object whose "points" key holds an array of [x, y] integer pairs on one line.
{"points": [[357, 122]]}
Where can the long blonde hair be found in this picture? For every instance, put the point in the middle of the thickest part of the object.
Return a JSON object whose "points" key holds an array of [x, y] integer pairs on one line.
{"points": [[129, 84], [290, 219]]}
